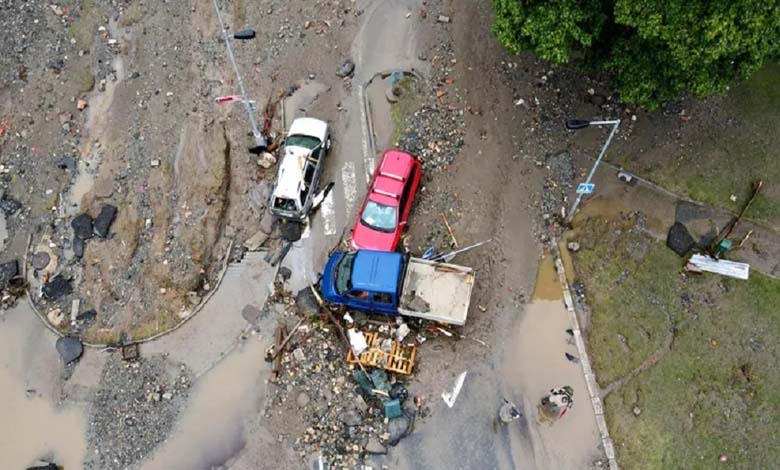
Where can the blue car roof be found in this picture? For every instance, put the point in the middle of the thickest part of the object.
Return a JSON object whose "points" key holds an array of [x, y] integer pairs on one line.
{"points": [[376, 271]]}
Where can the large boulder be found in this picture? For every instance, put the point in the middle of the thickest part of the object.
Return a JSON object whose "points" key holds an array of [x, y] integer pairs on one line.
{"points": [[104, 220], [82, 226], [8, 271], [70, 348], [679, 240]]}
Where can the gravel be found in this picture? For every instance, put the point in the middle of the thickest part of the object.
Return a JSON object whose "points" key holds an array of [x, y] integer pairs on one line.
{"points": [[134, 410]]}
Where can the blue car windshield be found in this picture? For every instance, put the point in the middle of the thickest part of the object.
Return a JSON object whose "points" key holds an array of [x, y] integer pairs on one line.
{"points": [[379, 217], [344, 273]]}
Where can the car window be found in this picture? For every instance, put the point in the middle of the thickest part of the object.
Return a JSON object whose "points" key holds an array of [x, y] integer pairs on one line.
{"points": [[344, 273], [304, 141], [358, 294], [408, 187], [285, 204], [379, 216], [383, 298]]}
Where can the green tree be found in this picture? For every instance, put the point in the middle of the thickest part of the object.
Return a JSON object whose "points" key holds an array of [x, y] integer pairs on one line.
{"points": [[655, 49]]}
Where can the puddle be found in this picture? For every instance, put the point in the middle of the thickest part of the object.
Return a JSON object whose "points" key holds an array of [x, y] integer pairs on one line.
{"points": [[33, 427], [211, 429], [381, 109], [566, 259], [534, 362], [548, 286]]}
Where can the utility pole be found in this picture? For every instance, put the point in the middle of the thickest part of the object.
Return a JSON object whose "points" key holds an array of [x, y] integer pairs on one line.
{"points": [[587, 187], [260, 140]]}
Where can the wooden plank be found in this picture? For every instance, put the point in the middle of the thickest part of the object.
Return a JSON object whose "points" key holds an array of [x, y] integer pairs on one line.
{"points": [[723, 267]]}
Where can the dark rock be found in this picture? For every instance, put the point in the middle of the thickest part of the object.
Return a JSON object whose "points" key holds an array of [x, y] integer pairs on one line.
{"points": [[87, 317], [56, 64], [290, 231], [9, 206], [398, 428], [40, 260], [82, 226], [8, 271], [57, 288], [346, 69], [70, 348], [306, 302], [104, 220], [679, 240], [597, 99], [351, 418], [78, 247]]}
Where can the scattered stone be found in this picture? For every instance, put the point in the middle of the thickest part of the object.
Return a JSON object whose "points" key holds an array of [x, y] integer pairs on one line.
{"points": [[167, 396], [78, 247], [9, 206], [299, 355], [104, 220], [155, 163], [351, 418], [306, 302], [57, 288], [346, 69], [266, 160], [573, 246], [81, 105], [443, 19], [284, 273], [302, 399], [55, 317], [8, 271], [82, 226], [679, 239], [375, 447], [636, 410], [361, 404], [70, 348]]}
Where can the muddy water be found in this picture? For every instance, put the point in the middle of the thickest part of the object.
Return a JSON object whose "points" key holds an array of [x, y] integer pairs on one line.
{"points": [[534, 362], [297, 104], [211, 430], [548, 287], [32, 425]]}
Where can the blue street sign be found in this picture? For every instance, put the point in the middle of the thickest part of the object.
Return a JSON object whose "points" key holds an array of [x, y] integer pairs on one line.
{"points": [[585, 188]]}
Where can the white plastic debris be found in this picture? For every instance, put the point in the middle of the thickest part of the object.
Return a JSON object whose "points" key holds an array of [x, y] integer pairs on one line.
{"points": [[357, 341]]}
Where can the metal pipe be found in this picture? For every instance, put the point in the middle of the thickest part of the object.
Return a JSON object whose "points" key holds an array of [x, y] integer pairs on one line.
{"points": [[615, 124], [259, 138]]}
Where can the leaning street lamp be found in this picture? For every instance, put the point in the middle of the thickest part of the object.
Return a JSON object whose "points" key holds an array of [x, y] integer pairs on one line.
{"points": [[587, 186]]}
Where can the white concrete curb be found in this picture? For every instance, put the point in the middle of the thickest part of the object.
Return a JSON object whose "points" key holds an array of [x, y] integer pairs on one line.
{"points": [[587, 371]]}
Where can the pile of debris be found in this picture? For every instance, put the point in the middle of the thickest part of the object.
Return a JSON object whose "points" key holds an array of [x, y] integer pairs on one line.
{"points": [[435, 131], [134, 409], [351, 407]]}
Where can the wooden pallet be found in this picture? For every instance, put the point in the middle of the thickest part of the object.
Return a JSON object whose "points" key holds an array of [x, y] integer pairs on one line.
{"points": [[400, 359]]}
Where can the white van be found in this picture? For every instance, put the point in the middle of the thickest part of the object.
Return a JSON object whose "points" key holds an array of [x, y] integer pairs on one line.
{"points": [[304, 150]]}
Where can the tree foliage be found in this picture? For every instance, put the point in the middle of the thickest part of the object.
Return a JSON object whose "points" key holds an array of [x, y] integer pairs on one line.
{"points": [[655, 49]]}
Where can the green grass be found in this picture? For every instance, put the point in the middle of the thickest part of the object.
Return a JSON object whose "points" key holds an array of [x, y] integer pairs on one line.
{"points": [[132, 15], [405, 106], [717, 391], [719, 159], [84, 28], [84, 78]]}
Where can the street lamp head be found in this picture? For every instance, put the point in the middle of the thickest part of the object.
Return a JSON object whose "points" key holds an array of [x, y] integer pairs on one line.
{"points": [[574, 124]]}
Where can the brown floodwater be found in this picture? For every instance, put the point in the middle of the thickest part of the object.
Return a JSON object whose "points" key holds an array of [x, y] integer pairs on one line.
{"points": [[211, 430], [548, 287], [534, 362], [33, 425]]}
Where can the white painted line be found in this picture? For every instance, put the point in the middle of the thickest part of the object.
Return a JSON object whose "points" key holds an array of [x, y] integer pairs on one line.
{"points": [[328, 215], [349, 180], [363, 120], [449, 398]]}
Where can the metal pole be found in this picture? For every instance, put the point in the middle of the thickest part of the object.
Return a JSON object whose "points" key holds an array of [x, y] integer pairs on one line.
{"points": [[615, 124], [259, 139]]}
